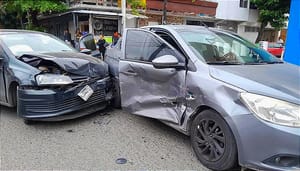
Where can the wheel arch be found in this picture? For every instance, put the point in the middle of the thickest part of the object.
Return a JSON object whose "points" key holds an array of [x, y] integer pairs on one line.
{"points": [[12, 93], [197, 112], [227, 120]]}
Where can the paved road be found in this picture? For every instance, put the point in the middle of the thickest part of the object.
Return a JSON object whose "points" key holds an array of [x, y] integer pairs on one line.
{"points": [[93, 143]]}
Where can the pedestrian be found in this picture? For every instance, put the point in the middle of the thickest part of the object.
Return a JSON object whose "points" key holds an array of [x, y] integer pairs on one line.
{"points": [[78, 35], [67, 36], [115, 38], [102, 44]]}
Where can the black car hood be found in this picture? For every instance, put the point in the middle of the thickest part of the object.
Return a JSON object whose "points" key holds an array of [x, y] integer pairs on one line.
{"points": [[71, 62], [275, 80]]}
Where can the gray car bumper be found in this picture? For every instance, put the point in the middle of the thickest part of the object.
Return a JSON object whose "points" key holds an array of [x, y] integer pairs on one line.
{"points": [[266, 146], [53, 105]]}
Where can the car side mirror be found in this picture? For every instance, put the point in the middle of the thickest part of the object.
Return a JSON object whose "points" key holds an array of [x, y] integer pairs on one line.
{"points": [[166, 61], [86, 51]]}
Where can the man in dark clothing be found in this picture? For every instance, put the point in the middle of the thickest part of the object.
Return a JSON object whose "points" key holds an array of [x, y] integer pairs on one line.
{"points": [[102, 44], [67, 36]]}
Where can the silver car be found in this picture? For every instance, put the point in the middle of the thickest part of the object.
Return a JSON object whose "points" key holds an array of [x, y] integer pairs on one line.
{"points": [[238, 103]]}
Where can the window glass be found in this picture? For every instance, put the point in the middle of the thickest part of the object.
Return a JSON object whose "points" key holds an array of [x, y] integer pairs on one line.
{"points": [[135, 41], [244, 3], [218, 47], [144, 46], [33, 43]]}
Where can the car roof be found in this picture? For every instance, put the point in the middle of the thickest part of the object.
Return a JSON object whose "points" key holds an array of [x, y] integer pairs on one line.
{"points": [[17, 31], [188, 27]]}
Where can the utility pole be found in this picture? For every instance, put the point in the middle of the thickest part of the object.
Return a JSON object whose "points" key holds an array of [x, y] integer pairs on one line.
{"points": [[164, 18], [123, 15]]}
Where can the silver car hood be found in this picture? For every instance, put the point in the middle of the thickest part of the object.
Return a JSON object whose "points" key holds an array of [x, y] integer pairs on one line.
{"points": [[280, 81]]}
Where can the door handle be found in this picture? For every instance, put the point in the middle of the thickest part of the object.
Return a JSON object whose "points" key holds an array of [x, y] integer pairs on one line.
{"points": [[130, 73]]}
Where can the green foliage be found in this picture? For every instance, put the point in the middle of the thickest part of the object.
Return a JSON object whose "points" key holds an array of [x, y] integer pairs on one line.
{"points": [[41, 6], [21, 11], [136, 4], [273, 11]]}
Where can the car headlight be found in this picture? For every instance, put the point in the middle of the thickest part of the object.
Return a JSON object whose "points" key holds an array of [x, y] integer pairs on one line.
{"points": [[273, 110], [53, 79]]}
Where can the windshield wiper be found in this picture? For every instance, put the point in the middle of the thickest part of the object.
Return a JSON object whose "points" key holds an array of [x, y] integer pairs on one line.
{"points": [[263, 63], [223, 63], [255, 63], [275, 62]]}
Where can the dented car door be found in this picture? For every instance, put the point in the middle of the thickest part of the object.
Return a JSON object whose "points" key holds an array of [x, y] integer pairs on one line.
{"points": [[145, 89]]}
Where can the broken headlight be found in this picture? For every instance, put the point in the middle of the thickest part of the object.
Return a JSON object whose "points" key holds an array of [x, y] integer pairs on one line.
{"points": [[53, 79], [273, 110]]}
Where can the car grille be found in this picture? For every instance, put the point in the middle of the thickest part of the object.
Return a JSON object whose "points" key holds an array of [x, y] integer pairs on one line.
{"points": [[61, 105]]}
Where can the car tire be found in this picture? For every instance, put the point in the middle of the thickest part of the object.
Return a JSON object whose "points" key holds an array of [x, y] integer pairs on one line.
{"points": [[213, 142], [116, 102]]}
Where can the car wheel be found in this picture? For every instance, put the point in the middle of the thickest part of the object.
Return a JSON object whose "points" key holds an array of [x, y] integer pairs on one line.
{"points": [[117, 97], [213, 141]]}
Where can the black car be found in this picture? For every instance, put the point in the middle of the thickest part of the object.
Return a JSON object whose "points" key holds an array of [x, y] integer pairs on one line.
{"points": [[49, 80]]}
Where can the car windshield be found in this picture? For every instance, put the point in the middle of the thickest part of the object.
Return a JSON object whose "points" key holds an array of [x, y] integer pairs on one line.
{"points": [[216, 47], [20, 44]]}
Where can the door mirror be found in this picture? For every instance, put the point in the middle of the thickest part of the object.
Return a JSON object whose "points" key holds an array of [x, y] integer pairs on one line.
{"points": [[86, 51], [166, 61]]}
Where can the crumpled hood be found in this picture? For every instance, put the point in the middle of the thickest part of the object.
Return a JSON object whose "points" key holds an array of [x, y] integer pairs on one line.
{"points": [[280, 81], [72, 62]]}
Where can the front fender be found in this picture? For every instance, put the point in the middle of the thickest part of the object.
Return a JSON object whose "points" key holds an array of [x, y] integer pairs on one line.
{"points": [[21, 73]]}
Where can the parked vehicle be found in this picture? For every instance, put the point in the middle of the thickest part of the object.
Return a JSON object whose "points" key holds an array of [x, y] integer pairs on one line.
{"points": [[238, 103], [275, 49], [47, 79]]}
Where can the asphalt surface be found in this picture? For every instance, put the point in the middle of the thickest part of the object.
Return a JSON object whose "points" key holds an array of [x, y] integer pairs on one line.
{"points": [[94, 142]]}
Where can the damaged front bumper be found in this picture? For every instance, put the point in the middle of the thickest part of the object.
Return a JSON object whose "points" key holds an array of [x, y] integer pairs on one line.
{"points": [[53, 105]]}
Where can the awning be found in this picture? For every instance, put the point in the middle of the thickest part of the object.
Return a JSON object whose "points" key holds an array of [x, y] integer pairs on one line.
{"points": [[104, 13], [95, 12]]}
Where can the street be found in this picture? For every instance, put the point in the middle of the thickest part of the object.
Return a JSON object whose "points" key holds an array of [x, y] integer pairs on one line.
{"points": [[94, 142]]}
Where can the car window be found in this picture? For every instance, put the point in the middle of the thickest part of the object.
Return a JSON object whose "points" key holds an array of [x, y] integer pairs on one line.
{"points": [[170, 40], [217, 47], [23, 43], [143, 46]]}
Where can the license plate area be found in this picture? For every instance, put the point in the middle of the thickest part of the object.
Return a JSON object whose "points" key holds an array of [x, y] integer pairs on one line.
{"points": [[85, 93]]}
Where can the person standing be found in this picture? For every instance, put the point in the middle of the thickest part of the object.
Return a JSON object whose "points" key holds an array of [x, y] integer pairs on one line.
{"points": [[115, 38], [67, 36], [77, 38], [102, 44]]}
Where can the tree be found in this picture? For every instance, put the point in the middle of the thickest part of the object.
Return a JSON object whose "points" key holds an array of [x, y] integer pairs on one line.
{"points": [[135, 5], [273, 12], [26, 11]]}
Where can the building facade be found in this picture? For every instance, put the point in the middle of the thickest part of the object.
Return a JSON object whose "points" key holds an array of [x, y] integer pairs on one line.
{"points": [[241, 16], [199, 12], [89, 16]]}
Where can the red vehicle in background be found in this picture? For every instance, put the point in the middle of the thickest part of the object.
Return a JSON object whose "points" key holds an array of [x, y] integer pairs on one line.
{"points": [[275, 48]]}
